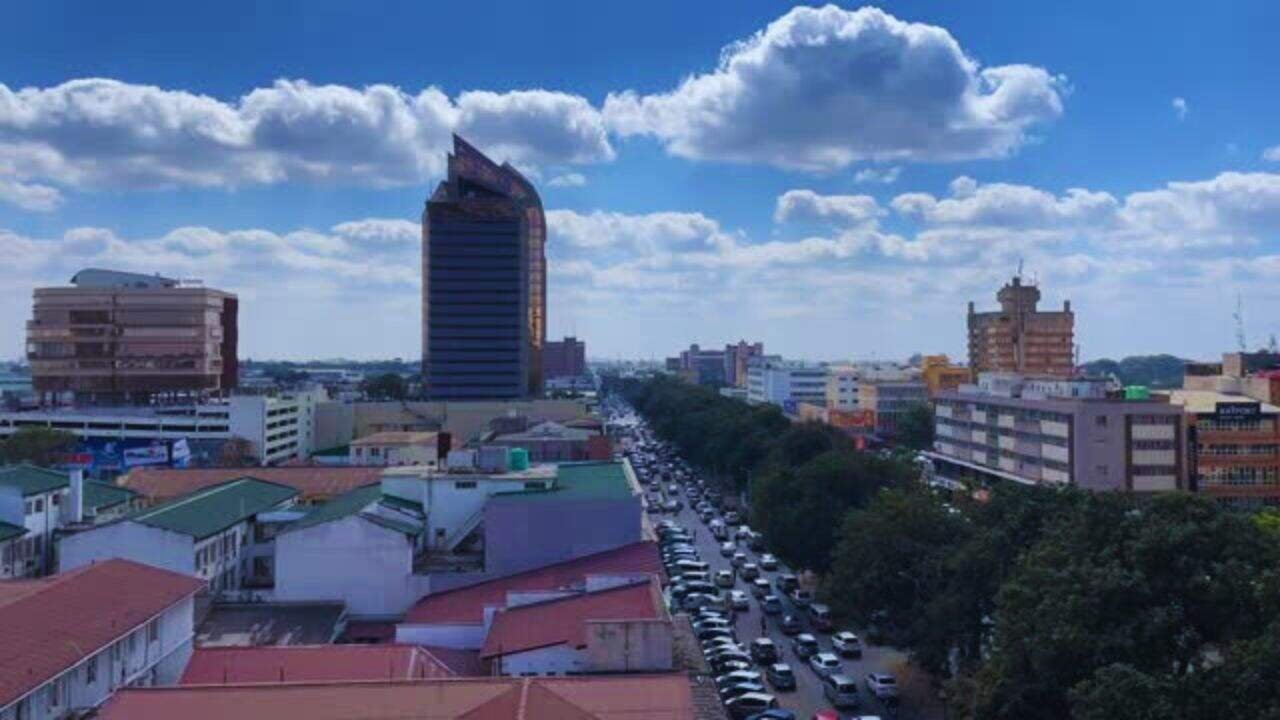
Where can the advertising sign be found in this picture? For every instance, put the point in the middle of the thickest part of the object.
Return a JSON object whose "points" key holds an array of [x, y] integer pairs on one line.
{"points": [[99, 454], [1237, 411]]}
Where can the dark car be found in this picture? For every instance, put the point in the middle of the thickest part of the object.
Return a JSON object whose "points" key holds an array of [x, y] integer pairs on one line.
{"points": [[791, 625], [734, 678], [774, 714], [744, 706], [786, 582], [734, 691], [763, 651], [728, 666], [805, 645], [781, 677]]}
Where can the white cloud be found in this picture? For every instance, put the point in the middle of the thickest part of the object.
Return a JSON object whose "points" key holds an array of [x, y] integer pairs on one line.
{"points": [[1180, 107], [820, 88], [1230, 208], [1007, 205], [379, 231], [885, 176], [842, 210], [1272, 154], [568, 180], [651, 232], [29, 196], [106, 133]]}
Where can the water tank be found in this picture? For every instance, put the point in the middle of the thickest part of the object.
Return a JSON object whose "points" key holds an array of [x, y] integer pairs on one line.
{"points": [[519, 459], [1136, 392]]}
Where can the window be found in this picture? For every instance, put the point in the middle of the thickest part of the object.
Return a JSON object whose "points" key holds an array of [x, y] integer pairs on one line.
{"points": [[39, 504], [1100, 470], [153, 631], [464, 484], [30, 507], [133, 641], [57, 499], [91, 670], [1100, 421]]}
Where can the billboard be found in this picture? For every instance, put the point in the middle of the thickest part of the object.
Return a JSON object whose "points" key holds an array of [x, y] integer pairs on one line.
{"points": [[99, 454], [852, 419]]}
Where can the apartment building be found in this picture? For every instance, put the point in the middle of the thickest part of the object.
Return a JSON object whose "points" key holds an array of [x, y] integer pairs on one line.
{"points": [[72, 640], [842, 387], [1233, 445], [565, 358], [786, 383], [736, 358], [1058, 432], [1021, 338], [117, 336]]}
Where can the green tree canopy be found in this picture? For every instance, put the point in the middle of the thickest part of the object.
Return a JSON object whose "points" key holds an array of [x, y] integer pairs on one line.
{"points": [[37, 446], [386, 386], [915, 427]]}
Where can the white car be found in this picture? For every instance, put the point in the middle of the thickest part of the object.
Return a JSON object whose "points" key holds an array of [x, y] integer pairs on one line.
{"points": [[847, 644], [738, 600], [825, 664], [725, 579], [728, 549], [768, 562], [882, 685], [744, 533]]}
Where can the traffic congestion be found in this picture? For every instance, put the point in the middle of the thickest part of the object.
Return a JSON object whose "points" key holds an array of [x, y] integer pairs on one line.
{"points": [[773, 651]]}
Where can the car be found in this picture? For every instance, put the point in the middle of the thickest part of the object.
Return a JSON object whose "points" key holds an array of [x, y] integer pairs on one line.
{"points": [[847, 644], [771, 604], [716, 644], [726, 666], [727, 549], [723, 655], [821, 616], [744, 706], [738, 600], [801, 597], [725, 579], [790, 625], [763, 651], [692, 565], [824, 664], [768, 562], [732, 517], [882, 685], [734, 691], [774, 714], [672, 505], [786, 582], [841, 690], [653, 508], [738, 559], [711, 622], [780, 676], [739, 676], [693, 576], [743, 533], [750, 571], [804, 645], [694, 601], [707, 515], [707, 633], [759, 587], [756, 542]]}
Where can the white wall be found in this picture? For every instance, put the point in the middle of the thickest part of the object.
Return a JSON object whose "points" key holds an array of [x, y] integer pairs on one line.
{"points": [[558, 659], [131, 541], [353, 560], [460, 636]]}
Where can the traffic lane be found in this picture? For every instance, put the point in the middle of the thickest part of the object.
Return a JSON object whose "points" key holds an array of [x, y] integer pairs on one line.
{"points": [[808, 697]]}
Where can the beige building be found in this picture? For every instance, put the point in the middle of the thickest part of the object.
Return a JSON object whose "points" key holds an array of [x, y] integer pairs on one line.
{"points": [[464, 420], [116, 336], [842, 387], [939, 374], [397, 448], [1020, 338]]}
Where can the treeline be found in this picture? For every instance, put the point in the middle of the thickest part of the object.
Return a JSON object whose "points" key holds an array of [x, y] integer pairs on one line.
{"points": [[1157, 371], [1027, 603]]}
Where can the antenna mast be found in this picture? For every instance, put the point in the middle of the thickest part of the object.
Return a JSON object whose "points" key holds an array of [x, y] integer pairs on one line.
{"points": [[1238, 316]]}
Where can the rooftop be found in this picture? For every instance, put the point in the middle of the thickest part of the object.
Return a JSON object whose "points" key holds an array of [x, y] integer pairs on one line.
{"points": [[53, 623], [312, 483], [268, 624], [358, 502], [618, 697], [563, 621], [9, 531], [397, 438], [1206, 401], [310, 663], [33, 480], [100, 495], [214, 509], [466, 605], [606, 480]]}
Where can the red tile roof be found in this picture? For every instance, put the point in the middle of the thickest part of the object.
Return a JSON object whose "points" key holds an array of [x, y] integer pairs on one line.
{"points": [[564, 621], [50, 625], [466, 605], [310, 663], [618, 697], [313, 482]]}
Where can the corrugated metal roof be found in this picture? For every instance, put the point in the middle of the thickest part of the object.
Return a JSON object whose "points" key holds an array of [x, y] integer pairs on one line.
{"points": [[214, 509], [9, 531], [100, 496], [310, 663], [581, 481], [562, 621], [33, 480], [313, 483]]}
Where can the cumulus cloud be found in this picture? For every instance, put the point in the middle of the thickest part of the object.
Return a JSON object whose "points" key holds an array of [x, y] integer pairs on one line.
{"points": [[29, 196], [843, 210], [1007, 205], [568, 180], [99, 132], [1272, 154], [650, 232], [820, 88], [1230, 208], [886, 176], [1180, 108]]}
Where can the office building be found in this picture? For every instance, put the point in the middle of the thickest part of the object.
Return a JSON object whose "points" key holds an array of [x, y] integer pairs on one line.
{"points": [[565, 358], [1058, 431], [1234, 446], [736, 357], [1254, 374], [1019, 338], [124, 337], [842, 387], [699, 366], [786, 383], [889, 400], [484, 290]]}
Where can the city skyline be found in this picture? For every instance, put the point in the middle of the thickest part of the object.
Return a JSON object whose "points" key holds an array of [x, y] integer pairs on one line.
{"points": [[835, 182]]}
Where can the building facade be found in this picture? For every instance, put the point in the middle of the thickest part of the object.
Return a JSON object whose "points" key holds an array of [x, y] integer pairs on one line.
{"points": [[565, 358], [1059, 432], [842, 387], [736, 357], [484, 291], [1234, 446], [786, 383], [939, 374], [700, 366], [889, 400], [115, 336], [1020, 338]]}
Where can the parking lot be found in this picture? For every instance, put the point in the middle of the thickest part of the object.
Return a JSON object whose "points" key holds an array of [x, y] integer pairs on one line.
{"points": [[751, 623]]}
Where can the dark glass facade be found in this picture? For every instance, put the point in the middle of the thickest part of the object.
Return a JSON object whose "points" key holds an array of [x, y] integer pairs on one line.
{"points": [[484, 290]]}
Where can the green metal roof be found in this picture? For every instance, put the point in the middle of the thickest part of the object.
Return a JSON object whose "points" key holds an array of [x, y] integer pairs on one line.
{"points": [[100, 495], [33, 480], [604, 480], [355, 503], [210, 511], [9, 532]]}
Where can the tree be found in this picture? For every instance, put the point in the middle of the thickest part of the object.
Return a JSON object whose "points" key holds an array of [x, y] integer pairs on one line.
{"points": [[386, 386], [37, 446], [915, 427]]}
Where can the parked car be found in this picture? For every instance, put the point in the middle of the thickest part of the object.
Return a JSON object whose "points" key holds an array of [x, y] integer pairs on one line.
{"points": [[713, 632], [732, 518], [774, 714], [790, 625], [727, 549], [805, 645], [882, 685], [672, 505], [725, 579], [781, 676], [763, 651], [694, 601], [738, 600], [768, 562], [744, 706], [840, 690], [820, 615], [824, 664], [734, 691], [771, 604], [726, 666], [847, 644], [738, 676], [743, 533]]}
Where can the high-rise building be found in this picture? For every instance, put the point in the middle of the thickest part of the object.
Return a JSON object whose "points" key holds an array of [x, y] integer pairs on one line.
{"points": [[564, 358], [735, 361], [1019, 338], [484, 289], [126, 337]]}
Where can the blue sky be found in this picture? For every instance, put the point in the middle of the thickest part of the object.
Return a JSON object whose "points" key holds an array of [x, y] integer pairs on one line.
{"points": [[835, 181]]}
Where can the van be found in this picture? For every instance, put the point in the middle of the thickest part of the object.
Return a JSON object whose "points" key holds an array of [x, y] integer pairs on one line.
{"points": [[840, 690], [821, 617]]}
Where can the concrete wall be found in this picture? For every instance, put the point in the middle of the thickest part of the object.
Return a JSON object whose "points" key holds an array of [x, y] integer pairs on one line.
{"points": [[334, 425], [559, 659], [352, 560], [131, 541], [460, 636], [629, 645], [525, 534]]}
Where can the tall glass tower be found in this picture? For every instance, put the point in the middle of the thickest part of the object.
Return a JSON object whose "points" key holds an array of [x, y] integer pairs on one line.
{"points": [[484, 282]]}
